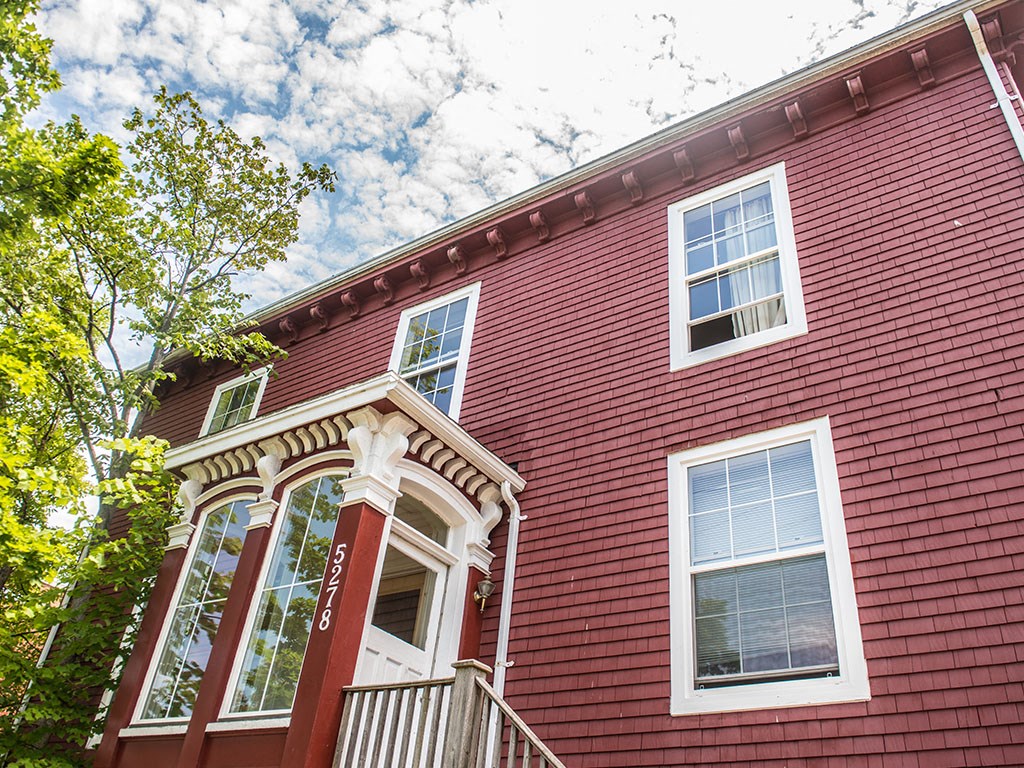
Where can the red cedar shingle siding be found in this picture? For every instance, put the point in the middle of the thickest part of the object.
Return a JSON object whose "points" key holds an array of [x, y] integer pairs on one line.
{"points": [[908, 225]]}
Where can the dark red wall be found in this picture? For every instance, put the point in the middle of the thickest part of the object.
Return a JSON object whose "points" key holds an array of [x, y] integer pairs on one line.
{"points": [[908, 226]]}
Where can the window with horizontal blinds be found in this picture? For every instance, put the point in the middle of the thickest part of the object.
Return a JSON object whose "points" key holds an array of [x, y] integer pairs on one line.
{"points": [[763, 605], [761, 618]]}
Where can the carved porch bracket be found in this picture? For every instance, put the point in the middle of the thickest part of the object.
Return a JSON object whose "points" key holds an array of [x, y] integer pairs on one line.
{"points": [[180, 533], [540, 226], [739, 142], [855, 86], [350, 301], [421, 272], [919, 58], [384, 289], [318, 314], [631, 181], [585, 205], [497, 240], [377, 442], [796, 119], [685, 165], [457, 256]]}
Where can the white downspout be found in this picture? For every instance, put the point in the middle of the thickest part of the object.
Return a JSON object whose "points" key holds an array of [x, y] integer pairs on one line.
{"points": [[1003, 100], [501, 660]]}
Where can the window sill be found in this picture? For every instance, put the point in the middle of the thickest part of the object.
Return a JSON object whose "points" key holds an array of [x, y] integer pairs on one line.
{"points": [[772, 695], [682, 360], [249, 724], [176, 728]]}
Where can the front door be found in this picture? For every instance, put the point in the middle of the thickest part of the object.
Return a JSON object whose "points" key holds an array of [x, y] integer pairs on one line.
{"points": [[408, 631]]}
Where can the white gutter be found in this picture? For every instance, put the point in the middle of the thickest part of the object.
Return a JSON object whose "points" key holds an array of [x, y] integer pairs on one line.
{"points": [[1003, 99], [501, 660]]}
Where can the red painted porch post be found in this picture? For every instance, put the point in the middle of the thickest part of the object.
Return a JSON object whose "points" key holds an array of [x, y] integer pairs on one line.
{"points": [[127, 695], [472, 619], [335, 637]]}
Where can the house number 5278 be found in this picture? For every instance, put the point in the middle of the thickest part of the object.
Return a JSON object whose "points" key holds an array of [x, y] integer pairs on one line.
{"points": [[332, 586]]}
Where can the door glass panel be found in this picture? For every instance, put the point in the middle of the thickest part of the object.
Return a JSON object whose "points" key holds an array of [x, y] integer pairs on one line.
{"points": [[404, 598]]}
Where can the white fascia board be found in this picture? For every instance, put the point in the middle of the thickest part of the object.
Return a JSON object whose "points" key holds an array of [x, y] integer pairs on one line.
{"points": [[388, 386]]}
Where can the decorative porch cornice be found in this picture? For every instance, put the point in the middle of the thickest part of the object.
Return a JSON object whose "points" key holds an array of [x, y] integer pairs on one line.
{"points": [[261, 446]]}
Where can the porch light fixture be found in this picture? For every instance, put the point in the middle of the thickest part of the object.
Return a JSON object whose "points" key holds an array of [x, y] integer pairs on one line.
{"points": [[484, 589]]}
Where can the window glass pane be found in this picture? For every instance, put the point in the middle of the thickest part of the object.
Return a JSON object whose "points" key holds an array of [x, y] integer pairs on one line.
{"points": [[718, 646], [753, 529], [748, 478], [709, 536], [757, 202], [697, 224], [765, 278], [764, 641], [419, 516], [799, 520], [196, 616], [783, 618], [704, 298], [726, 213], [730, 248], [276, 646], [792, 468], [761, 238], [708, 489], [404, 598], [699, 258], [457, 314]]}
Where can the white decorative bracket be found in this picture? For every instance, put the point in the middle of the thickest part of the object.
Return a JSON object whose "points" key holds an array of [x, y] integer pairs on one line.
{"points": [[180, 533], [377, 442]]}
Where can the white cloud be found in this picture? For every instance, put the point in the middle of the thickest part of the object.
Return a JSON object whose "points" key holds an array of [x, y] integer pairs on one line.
{"points": [[430, 111]]}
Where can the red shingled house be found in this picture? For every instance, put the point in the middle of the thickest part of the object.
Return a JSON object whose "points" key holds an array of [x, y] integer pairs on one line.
{"points": [[731, 421]]}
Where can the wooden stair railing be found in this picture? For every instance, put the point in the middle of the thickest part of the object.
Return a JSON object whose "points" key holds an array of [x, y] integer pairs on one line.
{"points": [[455, 722]]}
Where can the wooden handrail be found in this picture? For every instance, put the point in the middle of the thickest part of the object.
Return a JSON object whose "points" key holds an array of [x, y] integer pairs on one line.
{"points": [[455, 722]]}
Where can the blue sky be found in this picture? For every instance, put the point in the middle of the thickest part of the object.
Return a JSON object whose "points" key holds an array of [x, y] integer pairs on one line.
{"points": [[431, 110]]}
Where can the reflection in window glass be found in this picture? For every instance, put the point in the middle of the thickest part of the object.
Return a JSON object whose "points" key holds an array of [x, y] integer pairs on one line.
{"points": [[404, 598], [196, 617], [284, 616]]}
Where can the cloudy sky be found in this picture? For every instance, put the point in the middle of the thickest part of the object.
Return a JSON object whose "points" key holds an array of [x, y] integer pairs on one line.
{"points": [[432, 109]]}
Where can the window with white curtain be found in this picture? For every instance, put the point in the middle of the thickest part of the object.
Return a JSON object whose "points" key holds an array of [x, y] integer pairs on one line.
{"points": [[195, 618], [764, 612], [268, 674], [735, 281], [432, 346]]}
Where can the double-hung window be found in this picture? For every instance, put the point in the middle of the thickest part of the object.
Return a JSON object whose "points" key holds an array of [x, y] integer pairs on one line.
{"points": [[432, 346], [193, 622], [235, 401], [268, 675], [735, 284], [763, 607]]}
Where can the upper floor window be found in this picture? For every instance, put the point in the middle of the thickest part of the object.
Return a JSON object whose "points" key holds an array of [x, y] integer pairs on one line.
{"points": [[235, 401], [735, 283], [764, 613], [276, 640], [193, 621], [432, 347]]}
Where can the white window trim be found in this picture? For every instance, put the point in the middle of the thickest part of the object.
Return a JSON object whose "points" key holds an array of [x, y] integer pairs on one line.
{"points": [[852, 682], [796, 318], [225, 713], [137, 720], [262, 373], [462, 364]]}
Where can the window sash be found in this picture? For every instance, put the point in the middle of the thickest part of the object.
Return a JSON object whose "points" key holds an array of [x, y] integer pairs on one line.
{"points": [[178, 671], [282, 619]]}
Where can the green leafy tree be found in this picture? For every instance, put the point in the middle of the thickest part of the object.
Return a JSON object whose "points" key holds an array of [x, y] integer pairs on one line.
{"points": [[107, 268]]}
